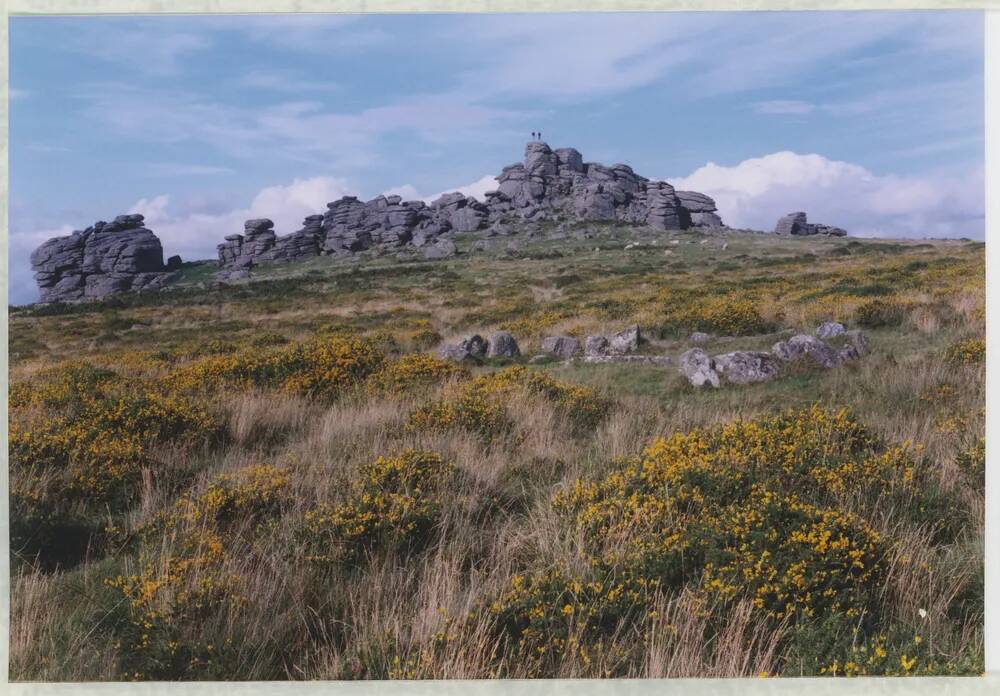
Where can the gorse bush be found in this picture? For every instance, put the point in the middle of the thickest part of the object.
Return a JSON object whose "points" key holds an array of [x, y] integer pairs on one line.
{"points": [[971, 351], [730, 316], [323, 367], [879, 313], [395, 505], [479, 405], [412, 372], [186, 574], [78, 444], [769, 510]]}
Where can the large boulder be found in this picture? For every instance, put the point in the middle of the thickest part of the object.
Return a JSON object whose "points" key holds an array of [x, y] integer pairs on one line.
{"points": [[502, 345], [793, 223], [805, 345], [747, 367], [626, 341], [596, 345], [698, 367], [563, 346], [470, 349], [441, 249]]}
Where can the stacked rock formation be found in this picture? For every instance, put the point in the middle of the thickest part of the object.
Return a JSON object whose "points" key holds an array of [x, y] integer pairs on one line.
{"points": [[259, 243], [797, 224], [105, 259], [547, 185]]}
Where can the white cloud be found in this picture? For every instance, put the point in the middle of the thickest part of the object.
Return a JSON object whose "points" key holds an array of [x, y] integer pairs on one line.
{"points": [[195, 235], [756, 192], [477, 189], [13, 94]]}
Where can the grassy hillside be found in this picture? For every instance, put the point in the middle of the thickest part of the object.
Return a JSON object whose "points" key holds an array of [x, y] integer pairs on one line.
{"points": [[278, 479]]}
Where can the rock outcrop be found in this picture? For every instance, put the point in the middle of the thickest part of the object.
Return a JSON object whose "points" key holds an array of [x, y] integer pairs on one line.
{"points": [[797, 224], [547, 185], [105, 259]]}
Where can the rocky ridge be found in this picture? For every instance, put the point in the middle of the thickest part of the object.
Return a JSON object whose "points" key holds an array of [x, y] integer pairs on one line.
{"points": [[548, 184]]}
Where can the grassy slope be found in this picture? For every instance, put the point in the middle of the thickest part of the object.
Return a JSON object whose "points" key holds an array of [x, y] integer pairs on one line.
{"points": [[390, 614]]}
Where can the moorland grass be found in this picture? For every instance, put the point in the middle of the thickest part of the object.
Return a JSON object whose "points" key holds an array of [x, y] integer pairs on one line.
{"points": [[305, 492]]}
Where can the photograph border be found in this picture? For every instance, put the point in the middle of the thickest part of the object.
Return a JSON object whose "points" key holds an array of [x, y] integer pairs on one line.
{"points": [[940, 686]]}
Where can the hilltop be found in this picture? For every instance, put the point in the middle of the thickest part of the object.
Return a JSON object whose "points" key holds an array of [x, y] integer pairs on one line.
{"points": [[543, 195]]}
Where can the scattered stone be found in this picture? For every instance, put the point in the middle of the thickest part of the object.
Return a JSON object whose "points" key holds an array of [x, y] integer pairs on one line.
{"points": [[829, 329], [626, 341], [805, 345], [858, 340], [471, 349], [697, 366], [746, 367], [597, 345], [563, 346], [502, 344], [699, 338]]}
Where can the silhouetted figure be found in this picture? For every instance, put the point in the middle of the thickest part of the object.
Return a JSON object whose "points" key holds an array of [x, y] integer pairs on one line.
{"points": [[532, 135], [539, 136]]}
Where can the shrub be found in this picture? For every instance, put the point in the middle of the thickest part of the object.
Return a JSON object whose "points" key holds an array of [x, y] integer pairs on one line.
{"points": [[770, 511], [323, 367], [731, 316], [186, 574], [411, 372], [879, 313], [968, 352], [479, 405], [394, 506]]}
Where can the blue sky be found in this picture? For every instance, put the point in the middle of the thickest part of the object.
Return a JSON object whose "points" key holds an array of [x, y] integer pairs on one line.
{"points": [[873, 121]]}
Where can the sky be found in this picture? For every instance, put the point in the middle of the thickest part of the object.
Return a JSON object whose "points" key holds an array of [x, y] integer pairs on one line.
{"points": [[869, 121]]}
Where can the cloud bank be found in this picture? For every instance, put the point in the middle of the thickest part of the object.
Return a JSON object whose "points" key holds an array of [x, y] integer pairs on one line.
{"points": [[757, 191]]}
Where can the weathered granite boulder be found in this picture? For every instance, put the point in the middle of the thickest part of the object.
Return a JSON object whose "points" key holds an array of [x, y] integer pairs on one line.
{"points": [[596, 345], [699, 338], [746, 367], [105, 259], [502, 345], [698, 367], [626, 341], [797, 224], [441, 249], [808, 346], [829, 329], [470, 349], [562, 346]]}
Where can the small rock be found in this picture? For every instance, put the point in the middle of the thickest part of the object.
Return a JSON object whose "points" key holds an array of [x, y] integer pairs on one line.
{"points": [[700, 338], [858, 339], [540, 358], [829, 329], [502, 345], [698, 368], [563, 346], [441, 249], [746, 367]]}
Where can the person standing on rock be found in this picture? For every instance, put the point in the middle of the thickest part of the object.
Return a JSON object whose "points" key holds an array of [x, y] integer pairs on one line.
{"points": [[533, 135]]}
